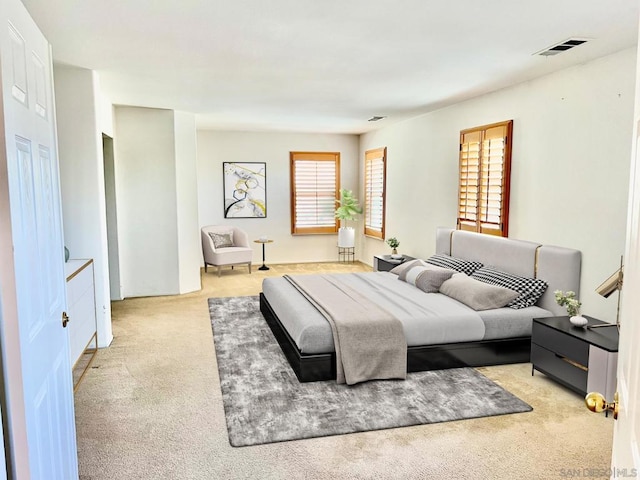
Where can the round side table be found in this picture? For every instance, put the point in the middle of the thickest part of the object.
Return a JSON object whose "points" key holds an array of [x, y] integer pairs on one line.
{"points": [[263, 242]]}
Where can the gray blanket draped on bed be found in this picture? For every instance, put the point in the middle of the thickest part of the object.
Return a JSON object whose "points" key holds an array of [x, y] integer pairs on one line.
{"points": [[369, 341]]}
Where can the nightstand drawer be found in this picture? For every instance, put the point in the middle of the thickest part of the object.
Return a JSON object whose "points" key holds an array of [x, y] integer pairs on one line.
{"points": [[559, 368], [560, 343]]}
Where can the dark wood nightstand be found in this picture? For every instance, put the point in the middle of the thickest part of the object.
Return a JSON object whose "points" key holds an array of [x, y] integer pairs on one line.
{"points": [[384, 263], [581, 359]]}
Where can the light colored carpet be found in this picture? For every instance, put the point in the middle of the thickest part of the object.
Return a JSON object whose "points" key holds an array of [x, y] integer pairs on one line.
{"points": [[151, 408], [264, 402]]}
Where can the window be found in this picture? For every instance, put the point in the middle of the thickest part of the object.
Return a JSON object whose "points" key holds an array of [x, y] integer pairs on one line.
{"points": [[485, 170], [375, 178], [315, 187]]}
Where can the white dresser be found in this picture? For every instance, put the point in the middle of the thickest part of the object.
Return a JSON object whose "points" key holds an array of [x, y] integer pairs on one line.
{"points": [[81, 309]]}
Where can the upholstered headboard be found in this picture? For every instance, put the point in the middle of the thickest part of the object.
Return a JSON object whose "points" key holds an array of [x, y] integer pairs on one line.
{"points": [[558, 266]]}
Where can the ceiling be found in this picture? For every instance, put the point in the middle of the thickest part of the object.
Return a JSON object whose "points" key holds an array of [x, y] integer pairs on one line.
{"points": [[322, 65]]}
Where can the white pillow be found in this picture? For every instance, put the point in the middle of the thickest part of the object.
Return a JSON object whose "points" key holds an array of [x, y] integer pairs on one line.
{"points": [[398, 269]]}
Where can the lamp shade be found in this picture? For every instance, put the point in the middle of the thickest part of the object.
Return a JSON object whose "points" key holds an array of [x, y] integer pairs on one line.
{"points": [[606, 288], [611, 284]]}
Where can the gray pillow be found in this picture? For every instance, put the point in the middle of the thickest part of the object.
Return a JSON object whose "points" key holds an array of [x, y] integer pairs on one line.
{"points": [[476, 294], [427, 278], [221, 240], [431, 279]]}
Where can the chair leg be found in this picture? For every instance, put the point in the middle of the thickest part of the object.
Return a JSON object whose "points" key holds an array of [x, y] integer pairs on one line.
{"points": [[219, 269], [249, 264], [205, 267]]}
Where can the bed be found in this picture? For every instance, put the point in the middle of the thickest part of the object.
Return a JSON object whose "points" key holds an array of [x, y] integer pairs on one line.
{"points": [[306, 338]]}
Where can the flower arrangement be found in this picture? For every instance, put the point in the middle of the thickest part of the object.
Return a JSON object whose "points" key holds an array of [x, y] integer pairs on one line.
{"points": [[568, 300]]}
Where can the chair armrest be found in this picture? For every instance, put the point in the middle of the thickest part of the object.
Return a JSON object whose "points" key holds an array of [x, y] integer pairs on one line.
{"points": [[208, 248]]}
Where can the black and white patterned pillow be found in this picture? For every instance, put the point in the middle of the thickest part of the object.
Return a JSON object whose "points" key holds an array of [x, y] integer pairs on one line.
{"points": [[530, 289], [454, 263]]}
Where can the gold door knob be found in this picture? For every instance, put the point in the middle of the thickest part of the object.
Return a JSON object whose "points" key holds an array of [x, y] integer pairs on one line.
{"points": [[597, 403], [65, 319]]}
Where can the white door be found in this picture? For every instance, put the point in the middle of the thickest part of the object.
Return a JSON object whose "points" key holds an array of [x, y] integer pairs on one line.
{"points": [[625, 460], [30, 153]]}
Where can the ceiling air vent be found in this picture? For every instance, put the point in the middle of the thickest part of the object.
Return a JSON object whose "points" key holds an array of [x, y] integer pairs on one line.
{"points": [[375, 119], [561, 47]]}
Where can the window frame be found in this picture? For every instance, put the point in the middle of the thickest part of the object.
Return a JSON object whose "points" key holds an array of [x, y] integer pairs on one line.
{"points": [[480, 203], [313, 157], [369, 157]]}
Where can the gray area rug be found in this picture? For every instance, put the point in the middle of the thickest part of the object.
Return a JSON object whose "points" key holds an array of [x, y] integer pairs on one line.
{"points": [[264, 402]]}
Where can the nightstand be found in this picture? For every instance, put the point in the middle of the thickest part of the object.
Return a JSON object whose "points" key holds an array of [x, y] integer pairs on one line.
{"points": [[581, 359], [384, 263]]}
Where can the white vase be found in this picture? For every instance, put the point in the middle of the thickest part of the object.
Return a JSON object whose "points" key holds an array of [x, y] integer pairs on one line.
{"points": [[346, 237], [578, 321]]}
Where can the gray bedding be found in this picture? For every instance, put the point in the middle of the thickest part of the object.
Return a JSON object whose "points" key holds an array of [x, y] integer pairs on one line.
{"points": [[427, 318]]}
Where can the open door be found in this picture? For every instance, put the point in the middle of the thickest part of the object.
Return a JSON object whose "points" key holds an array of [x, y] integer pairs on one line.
{"points": [[625, 460], [37, 375]]}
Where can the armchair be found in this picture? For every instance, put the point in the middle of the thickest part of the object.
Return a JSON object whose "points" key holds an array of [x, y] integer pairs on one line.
{"points": [[238, 253]]}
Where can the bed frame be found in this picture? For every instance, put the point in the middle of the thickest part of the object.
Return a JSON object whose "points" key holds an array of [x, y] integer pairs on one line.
{"points": [[559, 266], [314, 367]]}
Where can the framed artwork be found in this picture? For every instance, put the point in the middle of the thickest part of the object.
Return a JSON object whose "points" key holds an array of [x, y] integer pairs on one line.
{"points": [[245, 189]]}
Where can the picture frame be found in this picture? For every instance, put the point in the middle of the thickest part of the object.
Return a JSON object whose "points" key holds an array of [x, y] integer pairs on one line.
{"points": [[245, 189]]}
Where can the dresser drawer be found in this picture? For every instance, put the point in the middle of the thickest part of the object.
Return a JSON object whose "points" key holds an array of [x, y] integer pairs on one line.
{"points": [[558, 367], [561, 343]]}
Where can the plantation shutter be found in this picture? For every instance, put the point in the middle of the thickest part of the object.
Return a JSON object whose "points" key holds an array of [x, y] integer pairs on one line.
{"points": [[485, 170], [469, 180], [315, 188], [375, 166]]}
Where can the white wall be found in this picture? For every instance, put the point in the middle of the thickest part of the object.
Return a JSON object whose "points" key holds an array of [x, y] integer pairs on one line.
{"points": [[105, 110], [216, 147], [155, 170], [189, 249], [146, 193], [82, 180], [570, 167]]}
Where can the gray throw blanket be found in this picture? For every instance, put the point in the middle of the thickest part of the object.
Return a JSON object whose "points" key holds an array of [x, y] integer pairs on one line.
{"points": [[370, 343]]}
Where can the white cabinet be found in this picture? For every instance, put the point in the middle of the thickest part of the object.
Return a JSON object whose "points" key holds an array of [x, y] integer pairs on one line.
{"points": [[81, 309]]}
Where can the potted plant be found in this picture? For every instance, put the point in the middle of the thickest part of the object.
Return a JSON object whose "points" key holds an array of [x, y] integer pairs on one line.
{"points": [[394, 244], [572, 305], [348, 210]]}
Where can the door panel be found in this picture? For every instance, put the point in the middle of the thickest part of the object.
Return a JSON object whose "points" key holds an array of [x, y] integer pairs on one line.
{"points": [[17, 71]]}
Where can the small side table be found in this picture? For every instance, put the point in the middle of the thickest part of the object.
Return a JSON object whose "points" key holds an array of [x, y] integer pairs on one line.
{"points": [[384, 263], [263, 242]]}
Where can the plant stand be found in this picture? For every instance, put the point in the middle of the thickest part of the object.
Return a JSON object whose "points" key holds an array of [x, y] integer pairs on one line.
{"points": [[346, 254]]}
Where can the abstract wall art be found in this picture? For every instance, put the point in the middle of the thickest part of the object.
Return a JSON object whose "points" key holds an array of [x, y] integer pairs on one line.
{"points": [[245, 189]]}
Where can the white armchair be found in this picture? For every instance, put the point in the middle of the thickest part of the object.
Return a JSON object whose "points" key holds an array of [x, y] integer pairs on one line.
{"points": [[238, 253]]}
